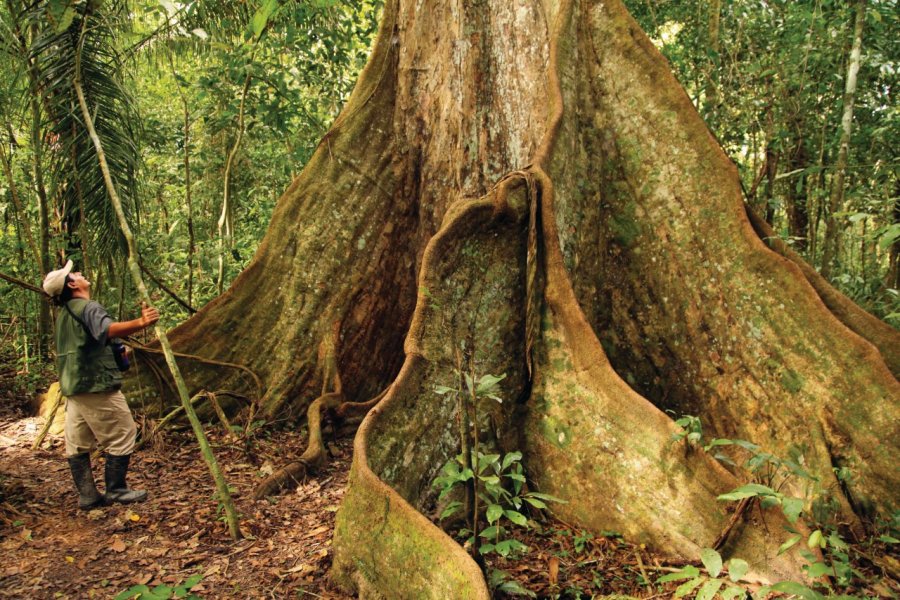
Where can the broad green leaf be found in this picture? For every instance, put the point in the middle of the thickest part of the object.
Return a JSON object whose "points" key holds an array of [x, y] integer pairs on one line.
{"points": [[718, 442], [162, 591], [200, 33], [712, 560], [686, 588], [503, 548], [792, 508], [443, 389], [887, 539], [737, 568], [535, 502], [516, 517], [510, 458], [816, 540], [748, 491], [262, 15], [488, 383], [750, 446], [709, 589], [487, 459], [451, 509], [792, 587], [485, 548], [133, 591], [732, 593], [494, 512], [688, 572], [490, 532], [817, 569], [835, 541], [788, 544], [515, 588], [547, 497]]}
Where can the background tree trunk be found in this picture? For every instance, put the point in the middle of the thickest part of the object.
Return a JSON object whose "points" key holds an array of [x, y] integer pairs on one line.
{"points": [[834, 223]]}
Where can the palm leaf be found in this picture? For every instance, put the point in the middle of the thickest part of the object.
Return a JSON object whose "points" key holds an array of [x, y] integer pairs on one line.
{"points": [[76, 180]]}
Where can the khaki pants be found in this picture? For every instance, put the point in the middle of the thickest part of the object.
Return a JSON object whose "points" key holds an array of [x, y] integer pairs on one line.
{"points": [[101, 418]]}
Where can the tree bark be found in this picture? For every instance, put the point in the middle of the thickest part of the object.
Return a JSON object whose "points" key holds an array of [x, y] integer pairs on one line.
{"points": [[527, 182]]}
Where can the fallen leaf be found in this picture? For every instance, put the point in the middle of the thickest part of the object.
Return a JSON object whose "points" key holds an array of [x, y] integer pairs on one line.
{"points": [[212, 570], [554, 570], [70, 559], [143, 578], [317, 531], [118, 545], [303, 569], [25, 535]]}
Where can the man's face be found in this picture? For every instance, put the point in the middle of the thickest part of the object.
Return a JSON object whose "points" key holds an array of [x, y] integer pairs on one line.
{"points": [[78, 282]]}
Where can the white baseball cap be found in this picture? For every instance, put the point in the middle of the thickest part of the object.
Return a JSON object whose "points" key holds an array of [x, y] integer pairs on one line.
{"points": [[55, 281]]}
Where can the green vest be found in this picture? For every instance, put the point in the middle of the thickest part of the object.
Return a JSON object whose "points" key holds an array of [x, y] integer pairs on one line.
{"points": [[84, 366]]}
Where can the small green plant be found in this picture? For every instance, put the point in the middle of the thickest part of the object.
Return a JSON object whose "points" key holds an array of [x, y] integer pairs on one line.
{"points": [[770, 473], [691, 429], [163, 592], [709, 584], [499, 481], [581, 540], [500, 581], [494, 484]]}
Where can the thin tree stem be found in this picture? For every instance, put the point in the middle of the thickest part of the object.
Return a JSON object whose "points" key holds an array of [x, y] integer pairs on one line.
{"points": [[224, 495]]}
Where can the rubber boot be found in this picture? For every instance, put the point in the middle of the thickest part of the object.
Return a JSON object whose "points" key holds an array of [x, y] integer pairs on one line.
{"points": [[116, 490], [88, 496]]}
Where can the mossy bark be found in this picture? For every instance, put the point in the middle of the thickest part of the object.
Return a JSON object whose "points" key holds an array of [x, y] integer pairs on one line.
{"points": [[573, 224]]}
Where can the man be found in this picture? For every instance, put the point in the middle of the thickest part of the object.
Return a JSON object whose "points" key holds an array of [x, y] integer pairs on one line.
{"points": [[96, 411]]}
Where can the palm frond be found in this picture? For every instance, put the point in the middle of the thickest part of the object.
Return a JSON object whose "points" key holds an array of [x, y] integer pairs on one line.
{"points": [[77, 182]]}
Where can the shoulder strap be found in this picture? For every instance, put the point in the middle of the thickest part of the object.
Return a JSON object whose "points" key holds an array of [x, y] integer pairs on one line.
{"points": [[77, 318]]}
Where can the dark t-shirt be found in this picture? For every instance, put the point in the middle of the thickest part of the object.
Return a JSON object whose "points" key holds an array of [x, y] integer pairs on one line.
{"points": [[97, 321]]}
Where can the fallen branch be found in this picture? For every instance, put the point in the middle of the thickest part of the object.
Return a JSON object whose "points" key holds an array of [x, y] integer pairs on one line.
{"points": [[166, 289], [139, 347], [222, 416], [738, 514], [22, 284], [165, 420], [57, 400]]}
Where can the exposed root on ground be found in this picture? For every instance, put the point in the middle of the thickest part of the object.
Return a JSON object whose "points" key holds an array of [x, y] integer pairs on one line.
{"points": [[329, 406]]}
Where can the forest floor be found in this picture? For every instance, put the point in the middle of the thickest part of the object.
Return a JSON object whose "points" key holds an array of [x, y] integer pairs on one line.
{"points": [[50, 549]]}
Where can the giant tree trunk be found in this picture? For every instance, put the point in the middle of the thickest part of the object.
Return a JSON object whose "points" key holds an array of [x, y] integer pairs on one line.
{"points": [[573, 224]]}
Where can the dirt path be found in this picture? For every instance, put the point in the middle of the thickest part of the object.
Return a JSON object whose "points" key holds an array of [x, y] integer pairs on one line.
{"points": [[49, 549]]}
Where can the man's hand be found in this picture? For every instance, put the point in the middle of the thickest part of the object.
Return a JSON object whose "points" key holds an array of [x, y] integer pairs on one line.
{"points": [[149, 316]]}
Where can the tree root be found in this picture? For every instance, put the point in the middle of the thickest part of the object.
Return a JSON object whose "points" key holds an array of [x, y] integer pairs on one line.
{"points": [[881, 335], [343, 413], [142, 348], [290, 475]]}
